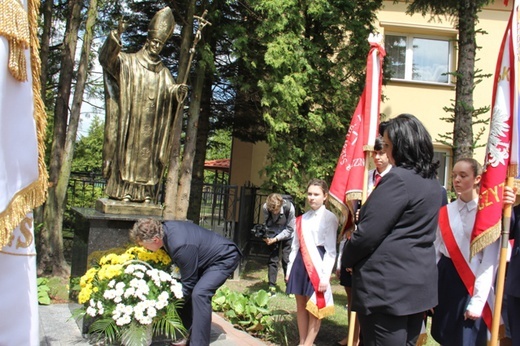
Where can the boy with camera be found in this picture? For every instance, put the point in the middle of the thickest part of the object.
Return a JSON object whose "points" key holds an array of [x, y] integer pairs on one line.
{"points": [[280, 222]]}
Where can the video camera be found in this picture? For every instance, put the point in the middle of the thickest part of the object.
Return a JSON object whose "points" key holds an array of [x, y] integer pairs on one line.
{"points": [[262, 231]]}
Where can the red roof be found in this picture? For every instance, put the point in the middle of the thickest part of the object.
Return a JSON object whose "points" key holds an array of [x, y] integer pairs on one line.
{"points": [[217, 165]]}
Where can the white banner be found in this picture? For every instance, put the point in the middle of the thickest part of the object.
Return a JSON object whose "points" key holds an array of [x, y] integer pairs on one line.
{"points": [[18, 291]]}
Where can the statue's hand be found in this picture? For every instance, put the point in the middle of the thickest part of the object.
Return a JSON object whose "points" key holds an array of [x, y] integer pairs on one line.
{"points": [[123, 24], [182, 91]]}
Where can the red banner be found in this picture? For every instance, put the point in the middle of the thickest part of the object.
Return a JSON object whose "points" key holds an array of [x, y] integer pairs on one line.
{"points": [[502, 148], [348, 180]]}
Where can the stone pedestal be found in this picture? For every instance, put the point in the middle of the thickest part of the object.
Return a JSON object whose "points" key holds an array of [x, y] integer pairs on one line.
{"points": [[97, 231]]}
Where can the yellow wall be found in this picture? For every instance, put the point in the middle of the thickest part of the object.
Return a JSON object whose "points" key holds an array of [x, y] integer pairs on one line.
{"points": [[247, 159]]}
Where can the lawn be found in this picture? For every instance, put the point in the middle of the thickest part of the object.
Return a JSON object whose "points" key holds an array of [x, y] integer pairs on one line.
{"points": [[334, 328]]}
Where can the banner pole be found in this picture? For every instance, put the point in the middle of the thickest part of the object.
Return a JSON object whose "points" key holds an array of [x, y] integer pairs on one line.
{"points": [[501, 274]]}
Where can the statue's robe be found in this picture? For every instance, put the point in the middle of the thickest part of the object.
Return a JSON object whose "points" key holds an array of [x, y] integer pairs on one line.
{"points": [[140, 108]]}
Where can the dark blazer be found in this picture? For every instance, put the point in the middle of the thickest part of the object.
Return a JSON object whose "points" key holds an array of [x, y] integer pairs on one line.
{"points": [[392, 252], [513, 272], [195, 250]]}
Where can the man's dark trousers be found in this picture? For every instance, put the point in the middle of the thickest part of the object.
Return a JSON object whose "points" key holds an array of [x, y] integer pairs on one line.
{"points": [[274, 259], [199, 302]]}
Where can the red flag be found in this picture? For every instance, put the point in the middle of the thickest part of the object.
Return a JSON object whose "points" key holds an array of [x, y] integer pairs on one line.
{"points": [[348, 180], [501, 149]]}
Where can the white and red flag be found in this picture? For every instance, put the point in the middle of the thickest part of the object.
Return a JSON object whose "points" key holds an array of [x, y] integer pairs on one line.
{"points": [[23, 176], [349, 176], [502, 148]]}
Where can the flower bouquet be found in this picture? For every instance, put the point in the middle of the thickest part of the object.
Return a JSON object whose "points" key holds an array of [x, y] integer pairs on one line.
{"points": [[132, 296]]}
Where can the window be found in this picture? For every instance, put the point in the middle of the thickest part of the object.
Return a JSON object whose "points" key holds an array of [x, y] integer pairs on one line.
{"points": [[419, 58], [444, 158]]}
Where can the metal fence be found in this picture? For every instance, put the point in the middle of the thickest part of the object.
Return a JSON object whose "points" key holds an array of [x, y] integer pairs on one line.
{"points": [[220, 207]]}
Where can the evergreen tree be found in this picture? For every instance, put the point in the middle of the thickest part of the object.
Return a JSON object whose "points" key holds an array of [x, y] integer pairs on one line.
{"points": [[310, 74]]}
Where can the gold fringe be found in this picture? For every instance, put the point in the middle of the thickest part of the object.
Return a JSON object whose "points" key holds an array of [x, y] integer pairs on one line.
{"points": [[422, 339], [319, 313], [368, 147], [485, 238], [14, 25], [340, 210], [35, 194], [354, 196]]}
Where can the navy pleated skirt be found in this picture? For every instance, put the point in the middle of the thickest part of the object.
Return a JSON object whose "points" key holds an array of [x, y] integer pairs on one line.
{"points": [[299, 281], [448, 325]]}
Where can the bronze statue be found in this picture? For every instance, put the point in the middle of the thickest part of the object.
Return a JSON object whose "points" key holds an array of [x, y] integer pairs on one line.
{"points": [[140, 98]]}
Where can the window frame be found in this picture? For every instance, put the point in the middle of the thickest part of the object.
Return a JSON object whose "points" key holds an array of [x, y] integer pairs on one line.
{"points": [[409, 36]]}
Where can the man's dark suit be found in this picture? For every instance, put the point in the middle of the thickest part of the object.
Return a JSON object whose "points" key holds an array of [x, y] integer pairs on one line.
{"points": [[392, 254], [512, 286], [205, 260]]}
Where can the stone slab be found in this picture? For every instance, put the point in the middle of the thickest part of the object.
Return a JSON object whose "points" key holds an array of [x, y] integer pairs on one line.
{"points": [[112, 206]]}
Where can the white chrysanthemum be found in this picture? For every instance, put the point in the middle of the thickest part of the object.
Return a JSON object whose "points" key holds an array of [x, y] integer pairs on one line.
{"points": [[142, 291], [91, 311], [112, 283], [128, 309], [109, 294], [139, 309], [120, 286], [130, 292], [164, 296], [119, 292], [100, 308], [125, 319], [139, 275], [176, 288], [164, 276], [135, 282], [92, 302], [151, 311], [161, 304], [138, 267]]}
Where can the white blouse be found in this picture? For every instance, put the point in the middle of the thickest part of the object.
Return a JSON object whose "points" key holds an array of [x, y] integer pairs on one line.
{"points": [[483, 264], [324, 225]]}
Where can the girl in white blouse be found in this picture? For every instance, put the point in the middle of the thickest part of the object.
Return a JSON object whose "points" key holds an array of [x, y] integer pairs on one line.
{"points": [[311, 263], [460, 317]]}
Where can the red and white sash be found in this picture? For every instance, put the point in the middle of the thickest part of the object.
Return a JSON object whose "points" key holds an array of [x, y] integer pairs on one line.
{"points": [[461, 265], [320, 304]]}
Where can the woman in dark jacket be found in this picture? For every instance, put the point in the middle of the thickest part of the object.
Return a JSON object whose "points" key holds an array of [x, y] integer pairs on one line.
{"points": [[391, 253]]}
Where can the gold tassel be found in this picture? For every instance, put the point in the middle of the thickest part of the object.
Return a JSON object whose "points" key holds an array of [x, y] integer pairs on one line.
{"points": [[485, 238], [14, 25], [36, 193]]}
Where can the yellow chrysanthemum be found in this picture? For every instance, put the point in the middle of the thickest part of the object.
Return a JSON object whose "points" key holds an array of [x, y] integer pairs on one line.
{"points": [[107, 272], [107, 259], [159, 256], [88, 277], [85, 293], [125, 258]]}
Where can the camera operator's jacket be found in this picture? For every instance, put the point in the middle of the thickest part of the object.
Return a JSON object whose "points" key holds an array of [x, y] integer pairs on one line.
{"points": [[283, 224]]}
